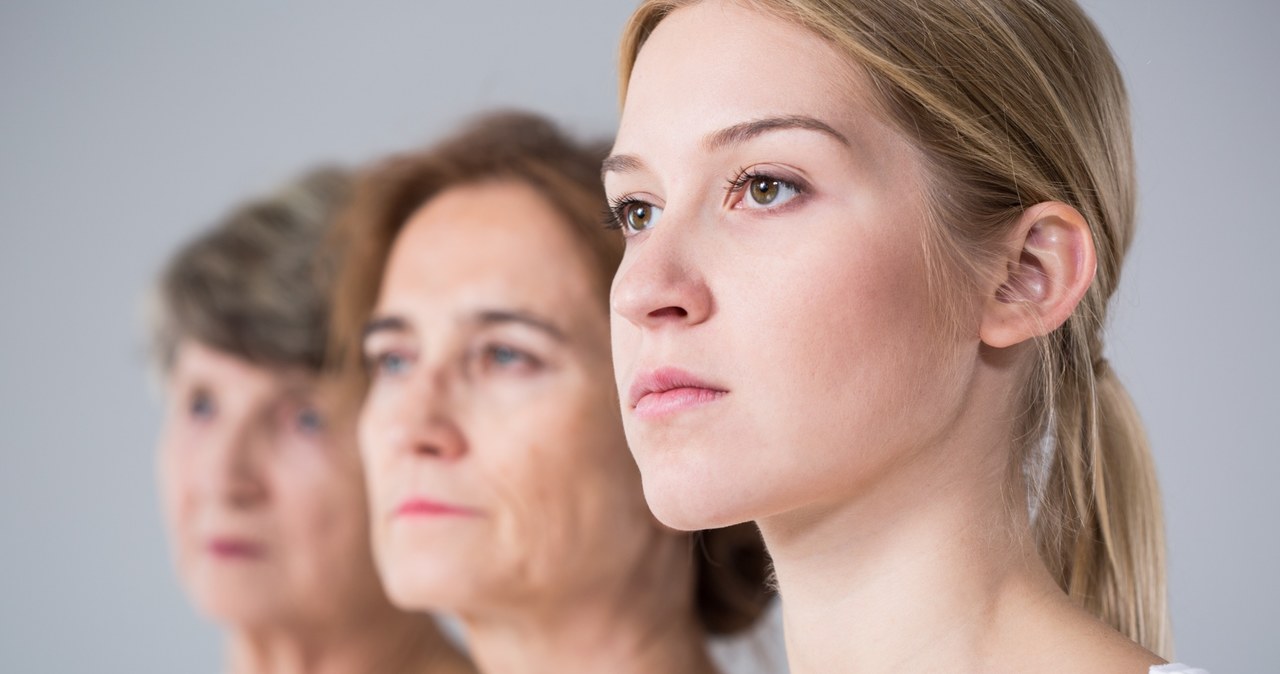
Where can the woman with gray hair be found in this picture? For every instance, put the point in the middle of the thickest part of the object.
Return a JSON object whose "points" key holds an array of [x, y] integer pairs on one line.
{"points": [[261, 485]]}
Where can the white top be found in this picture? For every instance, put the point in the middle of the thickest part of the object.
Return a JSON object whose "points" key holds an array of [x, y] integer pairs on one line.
{"points": [[1176, 668]]}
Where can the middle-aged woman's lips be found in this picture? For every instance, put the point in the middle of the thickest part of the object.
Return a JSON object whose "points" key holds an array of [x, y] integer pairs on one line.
{"points": [[421, 507], [669, 390]]}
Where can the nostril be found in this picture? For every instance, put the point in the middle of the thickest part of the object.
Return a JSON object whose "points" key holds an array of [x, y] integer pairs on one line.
{"points": [[669, 312], [430, 450]]}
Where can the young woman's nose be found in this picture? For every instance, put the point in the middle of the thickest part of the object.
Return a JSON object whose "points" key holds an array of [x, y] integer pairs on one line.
{"points": [[659, 284]]}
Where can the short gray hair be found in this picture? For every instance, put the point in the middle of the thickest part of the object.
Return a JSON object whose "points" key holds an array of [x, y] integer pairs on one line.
{"points": [[257, 284]]}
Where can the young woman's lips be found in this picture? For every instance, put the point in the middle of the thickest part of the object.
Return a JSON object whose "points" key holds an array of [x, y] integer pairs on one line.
{"points": [[667, 391], [421, 507], [232, 548]]}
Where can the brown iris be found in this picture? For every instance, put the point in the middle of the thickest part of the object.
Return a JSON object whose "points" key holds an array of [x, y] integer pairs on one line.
{"points": [[764, 190]]}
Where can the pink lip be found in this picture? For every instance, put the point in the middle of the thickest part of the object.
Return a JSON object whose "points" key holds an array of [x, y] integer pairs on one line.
{"points": [[420, 507], [669, 390], [226, 547]]}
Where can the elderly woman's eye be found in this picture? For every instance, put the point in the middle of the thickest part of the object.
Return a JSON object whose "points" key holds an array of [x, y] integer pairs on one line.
{"points": [[201, 405], [309, 420]]}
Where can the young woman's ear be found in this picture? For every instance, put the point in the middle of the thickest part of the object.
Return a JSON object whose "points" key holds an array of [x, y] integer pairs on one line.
{"points": [[1050, 265]]}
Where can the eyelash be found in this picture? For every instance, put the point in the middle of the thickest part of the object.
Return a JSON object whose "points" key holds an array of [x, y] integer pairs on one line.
{"points": [[746, 176], [616, 213]]}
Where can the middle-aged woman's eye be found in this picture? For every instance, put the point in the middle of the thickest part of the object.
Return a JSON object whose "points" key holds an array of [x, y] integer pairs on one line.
{"points": [[387, 364], [506, 359]]}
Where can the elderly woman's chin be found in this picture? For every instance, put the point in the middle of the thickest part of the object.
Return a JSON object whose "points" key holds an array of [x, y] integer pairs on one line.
{"points": [[239, 604]]}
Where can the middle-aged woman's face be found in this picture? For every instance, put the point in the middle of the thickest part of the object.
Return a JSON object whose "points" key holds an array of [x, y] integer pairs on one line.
{"points": [[497, 465], [263, 493], [773, 337]]}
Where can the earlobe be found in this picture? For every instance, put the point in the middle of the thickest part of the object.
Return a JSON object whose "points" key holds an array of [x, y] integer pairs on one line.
{"points": [[1050, 266]]}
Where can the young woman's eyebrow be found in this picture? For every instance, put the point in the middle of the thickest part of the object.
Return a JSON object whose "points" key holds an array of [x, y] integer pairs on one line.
{"points": [[745, 131], [620, 163], [488, 317], [732, 135]]}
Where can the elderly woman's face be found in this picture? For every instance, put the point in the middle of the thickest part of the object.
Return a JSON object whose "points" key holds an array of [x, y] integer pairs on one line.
{"points": [[491, 435], [263, 494]]}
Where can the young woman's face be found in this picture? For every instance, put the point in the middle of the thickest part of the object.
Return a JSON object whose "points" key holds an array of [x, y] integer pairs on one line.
{"points": [[263, 494], [498, 470], [774, 342]]}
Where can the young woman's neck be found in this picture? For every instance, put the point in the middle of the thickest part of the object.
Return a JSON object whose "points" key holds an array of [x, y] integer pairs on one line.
{"points": [[641, 624], [390, 642], [923, 571]]}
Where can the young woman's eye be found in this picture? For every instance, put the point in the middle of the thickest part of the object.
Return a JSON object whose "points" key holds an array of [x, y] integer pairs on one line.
{"points": [[764, 191], [633, 216], [201, 406]]}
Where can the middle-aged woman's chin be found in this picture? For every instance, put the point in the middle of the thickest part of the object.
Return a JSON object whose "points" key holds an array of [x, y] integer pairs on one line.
{"points": [[473, 305]]}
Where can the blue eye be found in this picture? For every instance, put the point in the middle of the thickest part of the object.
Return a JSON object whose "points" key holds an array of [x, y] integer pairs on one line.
{"points": [[309, 420], [201, 405], [390, 364], [506, 359], [504, 355]]}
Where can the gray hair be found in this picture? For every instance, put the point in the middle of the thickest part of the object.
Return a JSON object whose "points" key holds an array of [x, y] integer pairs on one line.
{"points": [[257, 284]]}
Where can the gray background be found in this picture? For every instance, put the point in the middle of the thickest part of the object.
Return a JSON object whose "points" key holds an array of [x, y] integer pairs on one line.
{"points": [[125, 129]]}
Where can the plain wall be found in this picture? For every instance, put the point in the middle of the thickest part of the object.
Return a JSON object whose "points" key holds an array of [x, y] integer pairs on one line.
{"points": [[127, 127]]}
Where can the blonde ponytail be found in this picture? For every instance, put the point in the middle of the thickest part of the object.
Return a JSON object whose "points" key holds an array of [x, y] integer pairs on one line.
{"points": [[1013, 103], [1099, 526]]}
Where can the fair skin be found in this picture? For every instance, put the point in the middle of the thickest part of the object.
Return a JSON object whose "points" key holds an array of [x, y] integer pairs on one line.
{"points": [[501, 485], [263, 496], [780, 358]]}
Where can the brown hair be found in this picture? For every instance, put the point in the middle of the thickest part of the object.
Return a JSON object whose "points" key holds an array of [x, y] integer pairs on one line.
{"points": [[251, 286], [732, 567], [1013, 103]]}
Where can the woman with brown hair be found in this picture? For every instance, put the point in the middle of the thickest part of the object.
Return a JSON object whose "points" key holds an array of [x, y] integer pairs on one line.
{"points": [[261, 483], [474, 284], [869, 250]]}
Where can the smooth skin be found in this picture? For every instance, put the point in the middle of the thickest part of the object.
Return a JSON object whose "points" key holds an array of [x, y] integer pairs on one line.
{"points": [[775, 250], [492, 391], [264, 498]]}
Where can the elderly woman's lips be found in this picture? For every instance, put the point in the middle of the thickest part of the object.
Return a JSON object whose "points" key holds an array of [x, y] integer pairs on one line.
{"points": [[227, 547], [419, 507]]}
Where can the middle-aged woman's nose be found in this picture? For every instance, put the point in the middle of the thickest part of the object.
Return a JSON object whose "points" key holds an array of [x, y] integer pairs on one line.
{"points": [[424, 420]]}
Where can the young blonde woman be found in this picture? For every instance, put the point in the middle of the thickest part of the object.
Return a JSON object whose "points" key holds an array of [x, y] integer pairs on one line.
{"points": [[261, 483], [474, 286], [869, 250]]}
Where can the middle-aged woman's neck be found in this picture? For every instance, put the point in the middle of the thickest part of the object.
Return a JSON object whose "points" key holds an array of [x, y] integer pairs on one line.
{"points": [[641, 624], [933, 568], [391, 643]]}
